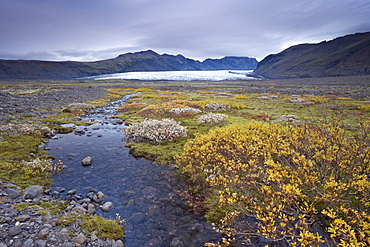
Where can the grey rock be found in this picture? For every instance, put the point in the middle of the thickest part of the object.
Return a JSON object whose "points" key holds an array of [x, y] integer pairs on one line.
{"points": [[93, 236], [22, 218], [79, 131], [119, 121], [33, 192], [28, 243], [15, 230], [149, 192], [64, 236], [52, 240], [118, 243], [68, 244], [80, 239], [40, 243], [12, 193], [98, 197], [55, 195], [72, 192], [176, 242], [17, 243], [91, 209], [87, 161], [137, 217], [107, 206], [44, 232], [78, 210], [198, 227], [153, 242]]}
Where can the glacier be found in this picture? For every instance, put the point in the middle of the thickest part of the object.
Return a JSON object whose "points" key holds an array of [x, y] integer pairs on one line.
{"points": [[209, 75]]}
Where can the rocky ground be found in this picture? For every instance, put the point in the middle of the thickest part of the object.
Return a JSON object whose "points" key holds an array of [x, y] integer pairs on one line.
{"points": [[27, 226], [13, 106]]}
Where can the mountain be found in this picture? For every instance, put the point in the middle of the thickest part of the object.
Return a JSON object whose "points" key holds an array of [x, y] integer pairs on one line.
{"points": [[230, 63], [344, 56], [129, 62]]}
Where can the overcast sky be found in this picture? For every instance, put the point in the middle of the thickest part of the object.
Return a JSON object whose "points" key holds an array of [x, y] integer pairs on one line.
{"points": [[89, 30]]}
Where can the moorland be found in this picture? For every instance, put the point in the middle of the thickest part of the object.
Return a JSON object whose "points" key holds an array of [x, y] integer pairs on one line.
{"points": [[278, 162]]}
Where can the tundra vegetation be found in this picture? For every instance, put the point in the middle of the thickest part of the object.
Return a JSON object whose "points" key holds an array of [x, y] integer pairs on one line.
{"points": [[292, 169]]}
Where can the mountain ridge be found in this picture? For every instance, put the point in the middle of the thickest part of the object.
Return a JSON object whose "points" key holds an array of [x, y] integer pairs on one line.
{"points": [[343, 56], [129, 62]]}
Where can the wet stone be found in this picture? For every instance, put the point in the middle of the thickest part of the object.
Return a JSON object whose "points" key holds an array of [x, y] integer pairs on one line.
{"points": [[107, 206], [137, 217], [98, 197], [87, 161]]}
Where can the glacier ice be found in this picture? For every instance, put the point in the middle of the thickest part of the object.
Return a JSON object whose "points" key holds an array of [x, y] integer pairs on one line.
{"points": [[214, 75]]}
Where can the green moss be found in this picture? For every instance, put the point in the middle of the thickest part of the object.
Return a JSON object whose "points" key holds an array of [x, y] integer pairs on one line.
{"points": [[21, 206], [110, 229], [65, 221]]}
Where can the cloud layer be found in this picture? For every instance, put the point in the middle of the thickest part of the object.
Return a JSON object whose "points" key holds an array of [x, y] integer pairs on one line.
{"points": [[88, 30]]}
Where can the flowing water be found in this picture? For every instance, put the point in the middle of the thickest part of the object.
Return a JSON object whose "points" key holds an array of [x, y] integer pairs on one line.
{"points": [[142, 191]]}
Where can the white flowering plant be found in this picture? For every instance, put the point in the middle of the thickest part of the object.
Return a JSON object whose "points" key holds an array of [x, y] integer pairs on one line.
{"points": [[212, 118], [155, 131], [185, 109], [24, 129], [214, 106]]}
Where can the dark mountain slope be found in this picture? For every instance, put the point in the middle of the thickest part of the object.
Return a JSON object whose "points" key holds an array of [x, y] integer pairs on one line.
{"points": [[230, 62], [343, 56], [139, 61]]}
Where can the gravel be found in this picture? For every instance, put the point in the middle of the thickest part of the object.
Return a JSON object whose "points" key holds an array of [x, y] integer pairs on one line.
{"points": [[13, 106]]}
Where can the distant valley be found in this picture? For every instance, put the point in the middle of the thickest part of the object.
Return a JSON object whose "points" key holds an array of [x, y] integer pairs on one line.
{"points": [[130, 62]]}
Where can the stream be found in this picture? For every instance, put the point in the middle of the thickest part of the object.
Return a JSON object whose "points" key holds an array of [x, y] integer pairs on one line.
{"points": [[142, 191]]}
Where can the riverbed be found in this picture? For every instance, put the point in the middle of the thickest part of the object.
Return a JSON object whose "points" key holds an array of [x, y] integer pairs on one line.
{"points": [[143, 192]]}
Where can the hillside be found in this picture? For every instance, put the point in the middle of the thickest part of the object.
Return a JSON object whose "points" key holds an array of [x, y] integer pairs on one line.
{"points": [[343, 56], [129, 62]]}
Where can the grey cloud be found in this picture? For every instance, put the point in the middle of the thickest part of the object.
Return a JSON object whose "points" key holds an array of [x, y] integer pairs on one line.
{"points": [[94, 29]]}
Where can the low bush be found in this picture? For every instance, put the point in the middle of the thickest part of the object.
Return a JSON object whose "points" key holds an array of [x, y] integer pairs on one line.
{"points": [[212, 118], [285, 178], [365, 108], [155, 131]]}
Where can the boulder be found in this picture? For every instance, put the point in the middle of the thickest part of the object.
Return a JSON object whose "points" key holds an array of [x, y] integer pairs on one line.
{"points": [[87, 161], [33, 192]]}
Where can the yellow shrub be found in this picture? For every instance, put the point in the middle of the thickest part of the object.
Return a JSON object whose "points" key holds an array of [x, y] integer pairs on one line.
{"points": [[143, 89], [241, 97], [317, 99], [364, 107], [285, 177]]}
